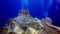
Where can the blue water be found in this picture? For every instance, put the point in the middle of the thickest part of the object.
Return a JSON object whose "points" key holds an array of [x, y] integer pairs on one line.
{"points": [[37, 8]]}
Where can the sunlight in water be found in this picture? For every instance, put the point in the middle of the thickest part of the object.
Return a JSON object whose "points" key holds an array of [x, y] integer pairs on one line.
{"points": [[24, 4], [45, 5]]}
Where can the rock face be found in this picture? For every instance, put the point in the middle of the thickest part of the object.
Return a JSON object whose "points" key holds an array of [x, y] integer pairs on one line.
{"points": [[25, 24]]}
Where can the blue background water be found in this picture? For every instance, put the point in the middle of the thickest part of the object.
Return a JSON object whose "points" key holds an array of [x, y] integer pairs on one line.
{"points": [[37, 8]]}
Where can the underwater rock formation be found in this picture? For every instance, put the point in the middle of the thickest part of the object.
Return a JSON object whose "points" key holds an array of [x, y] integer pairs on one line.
{"points": [[26, 24]]}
